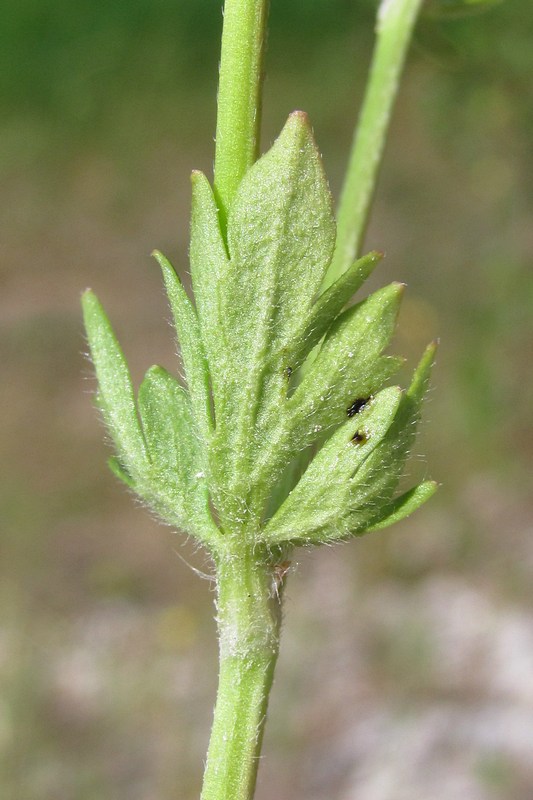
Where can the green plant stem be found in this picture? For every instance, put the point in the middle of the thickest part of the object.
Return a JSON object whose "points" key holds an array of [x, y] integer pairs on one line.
{"points": [[239, 96], [396, 20], [249, 618]]}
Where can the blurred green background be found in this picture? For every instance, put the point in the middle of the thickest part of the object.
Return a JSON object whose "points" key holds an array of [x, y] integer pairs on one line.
{"points": [[407, 659]]}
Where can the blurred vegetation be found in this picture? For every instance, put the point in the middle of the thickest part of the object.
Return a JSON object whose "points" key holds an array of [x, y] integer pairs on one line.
{"points": [[107, 656], [90, 72]]}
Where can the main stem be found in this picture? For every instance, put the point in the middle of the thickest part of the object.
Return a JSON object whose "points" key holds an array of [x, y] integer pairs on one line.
{"points": [[248, 600], [249, 618], [396, 20], [239, 96]]}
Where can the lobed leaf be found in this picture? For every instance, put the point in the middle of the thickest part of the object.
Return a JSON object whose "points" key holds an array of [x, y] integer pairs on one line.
{"points": [[258, 316], [349, 492], [168, 427], [281, 235], [375, 482], [115, 394], [318, 507], [209, 263], [349, 362], [348, 366], [192, 351], [403, 506], [330, 304], [177, 483]]}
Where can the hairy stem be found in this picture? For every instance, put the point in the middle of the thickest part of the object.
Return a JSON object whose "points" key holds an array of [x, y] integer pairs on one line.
{"points": [[249, 618], [395, 24], [239, 95]]}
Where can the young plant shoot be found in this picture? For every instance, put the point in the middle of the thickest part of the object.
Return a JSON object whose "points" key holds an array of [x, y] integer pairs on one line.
{"points": [[286, 431]]}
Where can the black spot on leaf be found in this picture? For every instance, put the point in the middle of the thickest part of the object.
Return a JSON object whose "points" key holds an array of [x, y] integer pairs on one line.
{"points": [[357, 406]]}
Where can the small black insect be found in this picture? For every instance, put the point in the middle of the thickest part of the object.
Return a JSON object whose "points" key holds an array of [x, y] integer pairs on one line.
{"points": [[357, 406], [288, 372], [360, 437]]}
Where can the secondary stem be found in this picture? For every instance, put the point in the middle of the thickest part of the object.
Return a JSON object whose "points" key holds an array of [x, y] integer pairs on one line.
{"points": [[249, 618], [396, 20], [239, 95]]}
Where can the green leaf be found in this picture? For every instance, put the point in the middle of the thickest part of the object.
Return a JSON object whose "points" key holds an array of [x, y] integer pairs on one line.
{"points": [[115, 394], [209, 263], [403, 506], [349, 362], [168, 427], [330, 304], [281, 235], [420, 382], [318, 508], [192, 351], [348, 367], [375, 482], [177, 487]]}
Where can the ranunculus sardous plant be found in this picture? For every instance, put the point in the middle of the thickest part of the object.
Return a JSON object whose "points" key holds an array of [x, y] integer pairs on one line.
{"points": [[214, 457], [286, 430]]}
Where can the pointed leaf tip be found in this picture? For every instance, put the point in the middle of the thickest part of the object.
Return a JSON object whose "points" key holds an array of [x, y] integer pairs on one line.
{"points": [[318, 508], [299, 117], [160, 258], [297, 126], [90, 302], [404, 506], [191, 345], [422, 373], [115, 392]]}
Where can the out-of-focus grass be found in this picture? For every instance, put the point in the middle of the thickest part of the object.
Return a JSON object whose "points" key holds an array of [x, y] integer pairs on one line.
{"points": [[407, 656]]}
